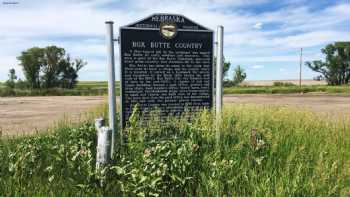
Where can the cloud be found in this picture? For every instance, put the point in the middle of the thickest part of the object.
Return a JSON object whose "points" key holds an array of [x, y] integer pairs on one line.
{"points": [[257, 37], [258, 25], [257, 66], [310, 39]]}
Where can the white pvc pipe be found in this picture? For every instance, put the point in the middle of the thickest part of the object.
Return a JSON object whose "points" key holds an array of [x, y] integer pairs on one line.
{"points": [[103, 143]]}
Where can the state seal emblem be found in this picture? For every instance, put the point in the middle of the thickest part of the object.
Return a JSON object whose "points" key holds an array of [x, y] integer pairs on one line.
{"points": [[168, 30]]}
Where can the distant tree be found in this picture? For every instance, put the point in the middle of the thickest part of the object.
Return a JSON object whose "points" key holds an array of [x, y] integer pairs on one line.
{"points": [[20, 84], [319, 78], [31, 61], [226, 67], [53, 58], [11, 82], [336, 68], [239, 75], [70, 71], [50, 67]]}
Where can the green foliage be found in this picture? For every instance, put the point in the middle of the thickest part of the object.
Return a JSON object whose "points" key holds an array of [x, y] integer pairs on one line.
{"points": [[88, 88], [10, 83], [51, 92], [60, 159], [21, 85], [31, 61], [52, 61], [336, 68], [279, 83], [239, 75], [70, 72], [226, 67], [94, 88], [13, 84], [50, 67], [263, 151]]}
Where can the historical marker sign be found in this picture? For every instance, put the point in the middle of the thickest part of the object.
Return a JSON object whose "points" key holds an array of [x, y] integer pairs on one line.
{"points": [[166, 64]]}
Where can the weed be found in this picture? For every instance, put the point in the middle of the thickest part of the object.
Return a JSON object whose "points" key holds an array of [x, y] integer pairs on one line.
{"points": [[263, 151]]}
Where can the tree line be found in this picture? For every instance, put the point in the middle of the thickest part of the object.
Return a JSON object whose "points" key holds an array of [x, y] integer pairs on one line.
{"points": [[52, 67], [48, 67], [239, 75], [336, 67]]}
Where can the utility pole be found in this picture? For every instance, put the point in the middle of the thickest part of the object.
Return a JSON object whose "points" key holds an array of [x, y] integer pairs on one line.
{"points": [[300, 68]]}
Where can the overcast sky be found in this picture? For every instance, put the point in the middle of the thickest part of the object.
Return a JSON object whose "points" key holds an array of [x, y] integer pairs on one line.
{"points": [[263, 36]]}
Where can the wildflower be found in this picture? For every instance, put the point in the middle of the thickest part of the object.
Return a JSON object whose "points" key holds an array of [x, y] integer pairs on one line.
{"points": [[48, 169], [230, 161], [260, 143], [51, 178], [195, 147], [259, 160], [82, 152], [147, 152]]}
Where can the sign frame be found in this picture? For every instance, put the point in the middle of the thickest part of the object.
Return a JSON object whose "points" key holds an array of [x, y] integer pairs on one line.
{"points": [[204, 29]]}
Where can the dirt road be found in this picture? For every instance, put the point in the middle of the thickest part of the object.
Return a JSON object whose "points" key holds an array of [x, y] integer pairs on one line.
{"points": [[23, 115]]}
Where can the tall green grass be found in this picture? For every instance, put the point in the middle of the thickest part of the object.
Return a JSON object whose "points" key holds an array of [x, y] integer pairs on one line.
{"points": [[86, 88], [52, 92], [262, 151]]}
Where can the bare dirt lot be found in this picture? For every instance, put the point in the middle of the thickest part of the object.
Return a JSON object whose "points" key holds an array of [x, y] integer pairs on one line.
{"points": [[331, 104], [293, 81], [23, 115]]}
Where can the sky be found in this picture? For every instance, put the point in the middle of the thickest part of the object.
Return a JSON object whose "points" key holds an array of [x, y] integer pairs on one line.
{"points": [[263, 36]]}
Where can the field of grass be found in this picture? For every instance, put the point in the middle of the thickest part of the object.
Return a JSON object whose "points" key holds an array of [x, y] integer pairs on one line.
{"points": [[282, 89], [286, 89], [263, 151], [97, 88], [96, 84], [89, 88]]}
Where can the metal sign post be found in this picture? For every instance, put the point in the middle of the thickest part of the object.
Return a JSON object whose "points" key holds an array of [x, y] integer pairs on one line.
{"points": [[111, 82], [219, 72]]}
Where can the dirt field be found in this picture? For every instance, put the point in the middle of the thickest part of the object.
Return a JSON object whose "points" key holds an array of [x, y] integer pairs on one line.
{"points": [[23, 115], [270, 82], [331, 104]]}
